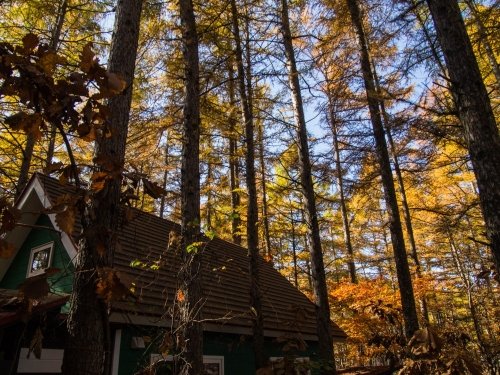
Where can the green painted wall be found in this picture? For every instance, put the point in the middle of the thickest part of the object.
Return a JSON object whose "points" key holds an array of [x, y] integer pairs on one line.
{"points": [[236, 349], [60, 282]]}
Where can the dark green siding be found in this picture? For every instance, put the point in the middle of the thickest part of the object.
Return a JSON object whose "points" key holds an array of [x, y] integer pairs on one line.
{"points": [[236, 349], [60, 282]]}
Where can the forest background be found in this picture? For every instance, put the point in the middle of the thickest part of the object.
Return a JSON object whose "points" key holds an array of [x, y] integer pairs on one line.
{"points": [[454, 280]]}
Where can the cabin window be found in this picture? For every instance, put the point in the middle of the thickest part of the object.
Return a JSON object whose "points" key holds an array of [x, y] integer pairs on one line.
{"points": [[40, 259], [213, 364]]}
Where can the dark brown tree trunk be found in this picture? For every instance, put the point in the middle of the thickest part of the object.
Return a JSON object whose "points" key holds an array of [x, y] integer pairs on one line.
{"points": [[398, 245], [402, 191], [265, 219], [323, 324], [252, 210], [208, 204], [191, 348], [234, 170], [343, 206], [88, 346], [24, 172], [475, 113], [54, 45], [294, 251]]}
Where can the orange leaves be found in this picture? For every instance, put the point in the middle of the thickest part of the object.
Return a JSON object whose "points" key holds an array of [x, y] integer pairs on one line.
{"points": [[29, 123], [180, 296], [115, 84], [87, 58], [113, 285]]}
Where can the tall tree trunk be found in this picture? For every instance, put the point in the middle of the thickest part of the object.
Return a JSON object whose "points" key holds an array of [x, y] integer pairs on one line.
{"points": [[475, 113], [402, 191], [165, 174], [30, 140], [191, 331], [484, 40], [323, 324], [88, 346], [294, 251], [234, 170], [343, 206], [24, 172], [208, 204], [265, 219], [54, 45], [398, 245], [252, 210]]}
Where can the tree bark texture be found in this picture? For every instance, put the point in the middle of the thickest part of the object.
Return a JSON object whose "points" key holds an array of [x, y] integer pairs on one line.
{"points": [[475, 113], [190, 317], [88, 346], [252, 209], [234, 170], [323, 326], [398, 245]]}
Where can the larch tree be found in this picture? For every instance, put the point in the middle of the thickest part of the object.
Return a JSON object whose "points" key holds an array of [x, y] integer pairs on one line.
{"points": [[191, 334], [398, 245], [252, 207], [88, 345], [323, 325], [475, 113]]}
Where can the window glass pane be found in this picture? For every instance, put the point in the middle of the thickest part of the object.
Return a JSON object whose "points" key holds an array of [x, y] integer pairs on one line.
{"points": [[40, 260]]}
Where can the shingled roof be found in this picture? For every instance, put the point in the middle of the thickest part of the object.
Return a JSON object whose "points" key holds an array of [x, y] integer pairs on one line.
{"points": [[225, 279]]}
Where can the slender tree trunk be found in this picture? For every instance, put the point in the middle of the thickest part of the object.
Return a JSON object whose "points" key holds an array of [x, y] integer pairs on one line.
{"points": [[323, 324], [476, 115], [54, 45], [252, 210], [343, 206], [484, 40], [88, 346], [265, 219], [165, 175], [398, 245], [24, 172], [402, 192], [208, 204], [294, 250], [191, 333], [234, 170]]}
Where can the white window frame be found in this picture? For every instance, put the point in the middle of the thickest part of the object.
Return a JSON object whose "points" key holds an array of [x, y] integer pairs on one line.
{"points": [[296, 360], [219, 359], [35, 250]]}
